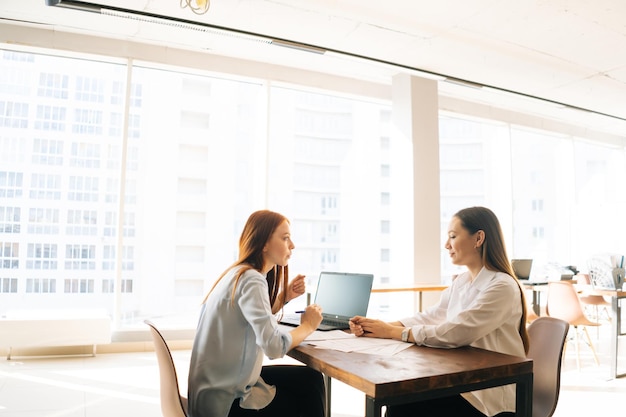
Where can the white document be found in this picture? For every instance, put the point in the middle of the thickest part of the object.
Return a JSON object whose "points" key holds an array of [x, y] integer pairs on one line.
{"points": [[384, 347], [329, 335]]}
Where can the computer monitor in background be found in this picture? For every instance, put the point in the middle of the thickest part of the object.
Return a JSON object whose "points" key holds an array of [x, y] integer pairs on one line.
{"points": [[522, 268]]}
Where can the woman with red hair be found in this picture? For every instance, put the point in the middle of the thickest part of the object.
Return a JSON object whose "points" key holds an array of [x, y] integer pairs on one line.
{"points": [[238, 327]]}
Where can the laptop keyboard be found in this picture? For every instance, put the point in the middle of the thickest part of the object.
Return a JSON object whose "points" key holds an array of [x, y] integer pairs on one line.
{"points": [[335, 323]]}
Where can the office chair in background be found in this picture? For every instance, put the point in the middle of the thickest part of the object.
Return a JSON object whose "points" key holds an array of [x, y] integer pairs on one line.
{"points": [[563, 303]]}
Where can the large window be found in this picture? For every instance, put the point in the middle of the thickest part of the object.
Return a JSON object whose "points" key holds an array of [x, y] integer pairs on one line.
{"points": [[137, 211], [555, 195], [142, 223]]}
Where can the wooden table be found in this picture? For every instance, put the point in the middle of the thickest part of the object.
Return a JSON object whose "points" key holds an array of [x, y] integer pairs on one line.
{"points": [[419, 289], [616, 317], [420, 373]]}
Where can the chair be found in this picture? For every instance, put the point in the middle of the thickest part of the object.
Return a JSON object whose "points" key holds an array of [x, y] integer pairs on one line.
{"points": [[563, 303], [547, 343], [595, 301], [172, 403]]}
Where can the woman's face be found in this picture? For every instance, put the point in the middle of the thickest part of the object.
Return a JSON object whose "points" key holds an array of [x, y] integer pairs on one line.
{"points": [[463, 246], [277, 250]]}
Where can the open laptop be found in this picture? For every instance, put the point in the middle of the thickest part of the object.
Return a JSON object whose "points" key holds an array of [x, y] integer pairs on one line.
{"points": [[342, 295], [522, 268]]}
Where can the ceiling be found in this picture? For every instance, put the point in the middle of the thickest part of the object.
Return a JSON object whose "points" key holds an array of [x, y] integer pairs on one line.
{"points": [[569, 52]]}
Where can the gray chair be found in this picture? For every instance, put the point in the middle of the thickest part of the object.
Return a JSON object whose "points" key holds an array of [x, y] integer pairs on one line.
{"points": [[172, 403], [547, 341]]}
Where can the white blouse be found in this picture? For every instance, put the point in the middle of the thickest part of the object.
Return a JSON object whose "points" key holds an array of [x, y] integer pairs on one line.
{"points": [[484, 313]]}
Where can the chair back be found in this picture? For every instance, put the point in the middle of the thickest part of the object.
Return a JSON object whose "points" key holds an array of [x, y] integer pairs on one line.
{"points": [[172, 403], [563, 303], [596, 300], [583, 279], [547, 341]]}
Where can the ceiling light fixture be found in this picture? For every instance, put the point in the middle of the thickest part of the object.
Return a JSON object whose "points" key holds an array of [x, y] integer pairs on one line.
{"points": [[196, 6]]}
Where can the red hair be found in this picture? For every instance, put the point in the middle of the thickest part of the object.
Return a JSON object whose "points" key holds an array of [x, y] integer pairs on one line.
{"points": [[256, 233]]}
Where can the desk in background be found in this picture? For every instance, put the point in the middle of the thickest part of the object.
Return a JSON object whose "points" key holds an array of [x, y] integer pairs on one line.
{"points": [[420, 373], [616, 317], [419, 289]]}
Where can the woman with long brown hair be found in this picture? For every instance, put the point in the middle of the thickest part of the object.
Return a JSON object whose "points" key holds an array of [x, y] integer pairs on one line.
{"points": [[484, 307], [238, 328]]}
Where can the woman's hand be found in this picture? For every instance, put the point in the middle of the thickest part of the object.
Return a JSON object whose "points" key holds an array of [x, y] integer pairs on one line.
{"points": [[310, 319], [312, 316], [362, 326], [296, 288]]}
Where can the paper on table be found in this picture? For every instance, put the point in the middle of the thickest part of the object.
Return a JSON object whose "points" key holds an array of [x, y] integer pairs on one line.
{"points": [[329, 335], [386, 347]]}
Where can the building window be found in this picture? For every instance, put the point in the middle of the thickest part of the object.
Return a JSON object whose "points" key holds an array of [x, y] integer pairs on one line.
{"points": [[10, 219], [75, 286], [110, 223], [13, 150], [108, 286], [82, 222], [328, 258], [53, 85], [88, 122], [9, 255], [13, 115], [328, 204], [83, 188], [385, 143], [47, 152], [41, 285], [11, 184], [8, 285], [90, 90], [41, 256], [45, 187], [43, 221], [108, 258], [129, 224], [80, 257], [85, 155], [50, 118], [127, 286], [128, 258]]}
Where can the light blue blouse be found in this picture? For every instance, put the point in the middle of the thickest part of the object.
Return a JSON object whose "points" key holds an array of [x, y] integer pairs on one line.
{"points": [[234, 333]]}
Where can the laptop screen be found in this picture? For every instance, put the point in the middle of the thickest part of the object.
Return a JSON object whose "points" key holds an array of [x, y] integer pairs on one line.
{"points": [[343, 293]]}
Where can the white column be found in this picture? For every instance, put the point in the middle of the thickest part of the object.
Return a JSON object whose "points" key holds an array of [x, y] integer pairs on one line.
{"points": [[416, 119]]}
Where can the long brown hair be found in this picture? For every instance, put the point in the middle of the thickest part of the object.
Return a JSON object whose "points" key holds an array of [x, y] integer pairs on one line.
{"points": [[493, 251], [257, 231]]}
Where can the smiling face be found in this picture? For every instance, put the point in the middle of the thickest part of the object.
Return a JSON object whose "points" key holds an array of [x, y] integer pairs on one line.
{"points": [[463, 247], [277, 250]]}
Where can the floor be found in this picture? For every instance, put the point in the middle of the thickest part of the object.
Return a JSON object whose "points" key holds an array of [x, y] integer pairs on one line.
{"points": [[127, 384]]}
